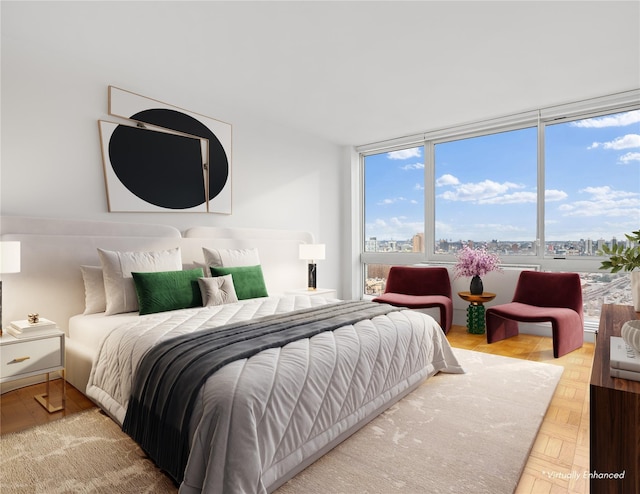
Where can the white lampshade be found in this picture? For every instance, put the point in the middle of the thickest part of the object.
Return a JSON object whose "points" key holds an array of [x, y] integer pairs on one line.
{"points": [[312, 252], [10, 257]]}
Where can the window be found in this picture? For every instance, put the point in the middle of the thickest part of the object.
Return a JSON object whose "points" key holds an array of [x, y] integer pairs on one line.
{"points": [[545, 188], [593, 176], [375, 278], [485, 193], [394, 201]]}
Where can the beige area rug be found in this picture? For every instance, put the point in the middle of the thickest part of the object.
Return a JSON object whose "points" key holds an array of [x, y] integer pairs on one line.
{"points": [[83, 453], [456, 433]]}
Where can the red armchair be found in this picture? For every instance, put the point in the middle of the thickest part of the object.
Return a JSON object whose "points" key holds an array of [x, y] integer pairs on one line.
{"points": [[420, 288], [542, 297]]}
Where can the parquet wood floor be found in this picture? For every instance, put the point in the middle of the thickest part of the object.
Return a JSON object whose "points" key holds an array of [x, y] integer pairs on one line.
{"points": [[558, 459], [19, 410]]}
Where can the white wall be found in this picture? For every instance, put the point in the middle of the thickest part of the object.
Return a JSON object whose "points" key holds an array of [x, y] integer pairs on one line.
{"points": [[57, 62]]}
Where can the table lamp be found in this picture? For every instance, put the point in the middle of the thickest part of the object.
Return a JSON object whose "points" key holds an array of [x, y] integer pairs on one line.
{"points": [[312, 253], [9, 263]]}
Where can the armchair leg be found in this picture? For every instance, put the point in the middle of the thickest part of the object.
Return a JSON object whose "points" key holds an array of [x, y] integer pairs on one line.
{"points": [[566, 341], [499, 328], [445, 319]]}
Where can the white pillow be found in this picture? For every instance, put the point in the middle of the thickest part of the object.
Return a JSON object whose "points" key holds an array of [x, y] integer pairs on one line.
{"points": [[204, 267], [95, 299], [228, 258], [218, 290], [118, 283]]}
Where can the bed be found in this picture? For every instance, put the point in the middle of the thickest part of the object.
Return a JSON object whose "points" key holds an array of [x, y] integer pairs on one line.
{"points": [[258, 420]]}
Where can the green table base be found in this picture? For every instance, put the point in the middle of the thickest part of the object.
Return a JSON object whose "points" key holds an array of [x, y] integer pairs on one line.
{"points": [[475, 319]]}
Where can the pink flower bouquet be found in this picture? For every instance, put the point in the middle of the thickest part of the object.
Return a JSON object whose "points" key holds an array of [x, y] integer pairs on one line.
{"points": [[476, 262]]}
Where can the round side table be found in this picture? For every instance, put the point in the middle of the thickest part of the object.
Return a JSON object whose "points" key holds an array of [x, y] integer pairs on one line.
{"points": [[475, 311]]}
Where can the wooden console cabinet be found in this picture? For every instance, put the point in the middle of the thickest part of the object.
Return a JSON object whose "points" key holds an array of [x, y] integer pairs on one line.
{"points": [[614, 414]]}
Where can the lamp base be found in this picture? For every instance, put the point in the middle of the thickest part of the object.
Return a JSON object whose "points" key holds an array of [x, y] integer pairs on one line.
{"points": [[312, 276]]}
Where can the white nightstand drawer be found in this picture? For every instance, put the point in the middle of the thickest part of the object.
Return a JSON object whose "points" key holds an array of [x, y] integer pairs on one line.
{"points": [[22, 357]]}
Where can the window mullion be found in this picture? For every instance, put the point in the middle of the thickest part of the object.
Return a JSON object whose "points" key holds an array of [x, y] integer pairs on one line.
{"points": [[429, 200], [540, 236]]}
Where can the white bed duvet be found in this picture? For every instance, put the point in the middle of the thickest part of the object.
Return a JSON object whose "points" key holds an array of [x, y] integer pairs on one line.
{"points": [[259, 421]]}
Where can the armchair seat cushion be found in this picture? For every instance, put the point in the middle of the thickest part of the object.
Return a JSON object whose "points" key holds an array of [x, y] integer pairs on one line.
{"points": [[414, 301], [531, 313]]}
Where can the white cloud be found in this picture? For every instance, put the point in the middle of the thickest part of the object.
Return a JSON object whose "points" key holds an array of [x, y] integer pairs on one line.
{"points": [[475, 230], [447, 179], [619, 120], [606, 192], [444, 228], [397, 221], [500, 227], [404, 154], [418, 187], [380, 223], [552, 195], [515, 198], [625, 159], [397, 228], [479, 191], [414, 166], [490, 192], [625, 142], [391, 200], [604, 201], [526, 197]]}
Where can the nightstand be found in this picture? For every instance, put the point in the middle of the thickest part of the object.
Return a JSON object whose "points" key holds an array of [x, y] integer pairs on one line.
{"points": [[32, 356], [318, 292]]}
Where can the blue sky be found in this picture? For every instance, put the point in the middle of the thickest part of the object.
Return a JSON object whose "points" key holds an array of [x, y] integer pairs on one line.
{"points": [[486, 186]]}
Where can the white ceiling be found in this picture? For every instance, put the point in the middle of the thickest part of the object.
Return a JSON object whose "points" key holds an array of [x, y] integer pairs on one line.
{"points": [[362, 71], [358, 72]]}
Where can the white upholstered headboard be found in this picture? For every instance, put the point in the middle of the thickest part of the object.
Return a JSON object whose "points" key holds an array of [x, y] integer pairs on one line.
{"points": [[52, 251]]}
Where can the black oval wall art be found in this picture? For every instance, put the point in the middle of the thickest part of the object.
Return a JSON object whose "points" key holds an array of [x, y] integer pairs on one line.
{"points": [[175, 120], [166, 158], [162, 169]]}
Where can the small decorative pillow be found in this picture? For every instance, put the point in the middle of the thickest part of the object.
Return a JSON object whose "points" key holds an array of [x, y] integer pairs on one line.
{"points": [[217, 291], [118, 282], [95, 299], [247, 280], [231, 257], [161, 291]]}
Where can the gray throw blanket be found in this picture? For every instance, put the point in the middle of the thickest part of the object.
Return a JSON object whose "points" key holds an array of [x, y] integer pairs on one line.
{"points": [[171, 374]]}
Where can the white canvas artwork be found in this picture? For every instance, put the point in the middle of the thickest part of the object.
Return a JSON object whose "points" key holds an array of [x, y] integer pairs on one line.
{"points": [[165, 158]]}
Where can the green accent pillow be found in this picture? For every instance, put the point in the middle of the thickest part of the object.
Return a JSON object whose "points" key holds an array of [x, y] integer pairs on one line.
{"points": [[168, 290], [247, 280]]}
